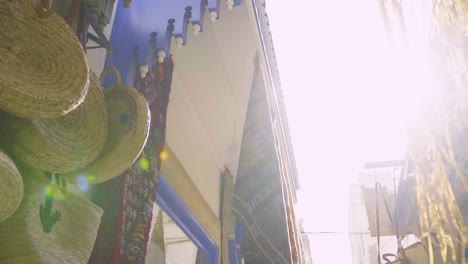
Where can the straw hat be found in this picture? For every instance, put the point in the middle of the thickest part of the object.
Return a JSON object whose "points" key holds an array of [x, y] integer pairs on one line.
{"points": [[128, 128], [11, 189], [72, 234], [63, 144], [43, 69]]}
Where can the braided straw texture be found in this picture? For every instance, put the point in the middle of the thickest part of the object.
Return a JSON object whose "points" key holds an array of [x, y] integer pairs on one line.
{"points": [[11, 188], [72, 237], [43, 70], [439, 146], [64, 144], [128, 128]]}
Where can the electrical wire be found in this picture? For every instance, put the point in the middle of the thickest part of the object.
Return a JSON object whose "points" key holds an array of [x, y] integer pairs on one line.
{"points": [[176, 242], [336, 233]]}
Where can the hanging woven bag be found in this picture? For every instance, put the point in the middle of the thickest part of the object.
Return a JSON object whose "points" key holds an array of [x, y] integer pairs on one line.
{"points": [[51, 226], [43, 69], [64, 144], [11, 187], [128, 127]]}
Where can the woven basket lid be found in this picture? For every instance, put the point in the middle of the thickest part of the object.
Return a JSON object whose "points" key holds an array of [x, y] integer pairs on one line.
{"points": [[63, 144], [43, 69], [128, 127], [11, 187]]}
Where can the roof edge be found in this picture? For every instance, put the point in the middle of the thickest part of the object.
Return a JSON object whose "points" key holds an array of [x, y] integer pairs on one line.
{"points": [[268, 51]]}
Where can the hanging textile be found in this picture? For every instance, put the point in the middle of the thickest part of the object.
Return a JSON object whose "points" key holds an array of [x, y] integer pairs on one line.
{"points": [[259, 198], [438, 136], [128, 200]]}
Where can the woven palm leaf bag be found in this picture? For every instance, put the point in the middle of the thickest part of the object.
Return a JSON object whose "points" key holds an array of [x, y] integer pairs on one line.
{"points": [[128, 127], [69, 240], [11, 187], [43, 69], [64, 144]]}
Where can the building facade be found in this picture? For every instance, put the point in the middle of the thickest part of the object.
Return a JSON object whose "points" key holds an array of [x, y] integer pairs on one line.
{"points": [[179, 103], [223, 120], [362, 214]]}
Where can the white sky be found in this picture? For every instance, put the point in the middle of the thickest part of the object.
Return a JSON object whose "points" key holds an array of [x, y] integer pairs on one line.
{"points": [[346, 95]]}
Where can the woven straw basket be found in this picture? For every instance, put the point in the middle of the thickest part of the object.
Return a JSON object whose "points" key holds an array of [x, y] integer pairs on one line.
{"points": [[128, 124], [11, 187], [64, 144], [43, 69], [71, 238]]}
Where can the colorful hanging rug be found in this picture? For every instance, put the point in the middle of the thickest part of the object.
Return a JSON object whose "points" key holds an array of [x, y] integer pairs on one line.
{"points": [[128, 199], [259, 195]]}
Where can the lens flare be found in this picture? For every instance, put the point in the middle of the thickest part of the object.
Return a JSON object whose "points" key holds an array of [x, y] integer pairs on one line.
{"points": [[54, 191], [82, 183], [91, 179], [144, 163], [164, 155]]}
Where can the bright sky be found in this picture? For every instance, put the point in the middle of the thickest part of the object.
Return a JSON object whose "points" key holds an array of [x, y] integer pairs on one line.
{"points": [[346, 95]]}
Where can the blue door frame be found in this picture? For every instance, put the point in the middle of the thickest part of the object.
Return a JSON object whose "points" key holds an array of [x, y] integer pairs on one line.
{"points": [[170, 202]]}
